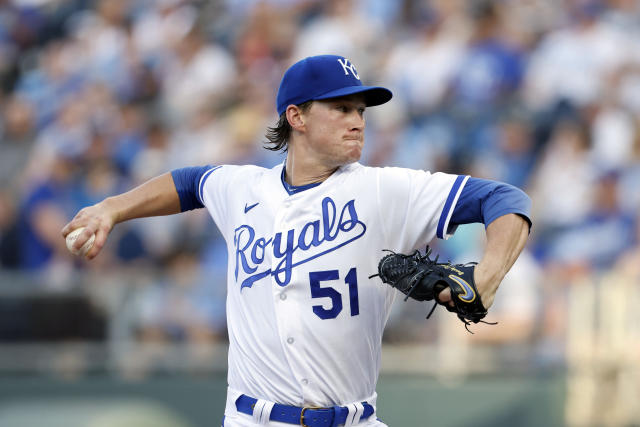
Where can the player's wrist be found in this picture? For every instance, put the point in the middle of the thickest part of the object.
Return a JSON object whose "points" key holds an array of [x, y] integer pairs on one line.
{"points": [[110, 208], [488, 277]]}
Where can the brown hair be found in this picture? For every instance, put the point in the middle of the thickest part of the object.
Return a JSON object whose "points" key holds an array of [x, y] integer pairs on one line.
{"points": [[278, 135]]}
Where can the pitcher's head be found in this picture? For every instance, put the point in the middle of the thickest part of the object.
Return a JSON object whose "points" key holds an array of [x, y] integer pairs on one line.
{"points": [[319, 78]]}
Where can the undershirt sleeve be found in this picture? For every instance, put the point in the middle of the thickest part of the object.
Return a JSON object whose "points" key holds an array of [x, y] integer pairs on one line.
{"points": [[483, 200], [187, 181]]}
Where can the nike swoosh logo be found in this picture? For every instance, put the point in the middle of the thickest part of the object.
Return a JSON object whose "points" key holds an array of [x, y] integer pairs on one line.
{"points": [[248, 208], [469, 294]]}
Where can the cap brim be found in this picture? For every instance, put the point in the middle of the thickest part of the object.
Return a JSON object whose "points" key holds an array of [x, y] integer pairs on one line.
{"points": [[373, 95]]}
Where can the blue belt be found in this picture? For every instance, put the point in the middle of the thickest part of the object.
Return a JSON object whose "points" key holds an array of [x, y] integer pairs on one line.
{"points": [[307, 416]]}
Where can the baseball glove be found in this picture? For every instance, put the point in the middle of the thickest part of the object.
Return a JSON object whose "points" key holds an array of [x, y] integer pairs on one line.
{"points": [[421, 278]]}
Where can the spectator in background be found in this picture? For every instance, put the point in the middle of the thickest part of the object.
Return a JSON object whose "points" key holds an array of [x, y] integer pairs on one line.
{"points": [[68, 135], [491, 70], [265, 37], [604, 234], [153, 156], [16, 142], [161, 25], [614, 135], [507, 151], [98, 179], [629, 195], [573, 61], [9, 233], [629, 263], [202, 137], [56, 76], [340, 28], [23, 27], [561, 184], [420, 69], [195, 75], [103, 35], [182, 308], [485, 82], [41, 213], [127, 136], [103, 111]]}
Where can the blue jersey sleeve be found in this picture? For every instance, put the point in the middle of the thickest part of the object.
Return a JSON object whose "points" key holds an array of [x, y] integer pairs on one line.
{"points": [[187, 182], [483, 200]]}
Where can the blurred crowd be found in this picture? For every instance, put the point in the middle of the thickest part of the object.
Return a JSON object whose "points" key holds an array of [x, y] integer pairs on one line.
{"points": [[97, 96]]}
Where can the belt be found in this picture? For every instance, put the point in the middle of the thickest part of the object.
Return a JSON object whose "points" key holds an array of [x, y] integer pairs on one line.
{"points": [[306, 416]]}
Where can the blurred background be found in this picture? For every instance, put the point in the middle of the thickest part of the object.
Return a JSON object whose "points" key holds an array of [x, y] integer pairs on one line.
{"points": [[97, 96]]}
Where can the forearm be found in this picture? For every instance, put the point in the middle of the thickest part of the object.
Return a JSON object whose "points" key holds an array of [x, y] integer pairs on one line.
{"points": [[506, 237], [155, 197]]}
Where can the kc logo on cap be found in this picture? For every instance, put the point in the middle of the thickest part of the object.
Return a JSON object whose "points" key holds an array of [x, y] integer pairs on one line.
{"points": [[324, 77], [348, 66]]}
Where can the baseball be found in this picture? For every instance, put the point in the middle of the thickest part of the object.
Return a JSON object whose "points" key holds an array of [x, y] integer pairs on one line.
{"points": [[71, 238]]}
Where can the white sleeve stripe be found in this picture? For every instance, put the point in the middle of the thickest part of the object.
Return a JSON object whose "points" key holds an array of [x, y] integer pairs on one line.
{"points": [[201, 183], [442, 231]]}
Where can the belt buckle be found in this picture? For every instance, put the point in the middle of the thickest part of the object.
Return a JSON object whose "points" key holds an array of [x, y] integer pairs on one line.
{"points": [[302, 414]]}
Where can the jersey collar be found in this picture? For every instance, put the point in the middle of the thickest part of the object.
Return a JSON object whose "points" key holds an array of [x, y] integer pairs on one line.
{"points": [[293, 189]]}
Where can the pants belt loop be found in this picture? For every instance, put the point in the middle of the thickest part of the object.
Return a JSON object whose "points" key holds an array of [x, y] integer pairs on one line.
{"points": [[266, 413], [359, 412], [259, 410], [348, 422]]}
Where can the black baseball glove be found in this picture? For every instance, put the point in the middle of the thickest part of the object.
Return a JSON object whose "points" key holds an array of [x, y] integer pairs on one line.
{"points": [[421, 278]]}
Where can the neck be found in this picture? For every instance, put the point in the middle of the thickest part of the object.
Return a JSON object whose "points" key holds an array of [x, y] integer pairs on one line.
{"points": [[303, 170]]}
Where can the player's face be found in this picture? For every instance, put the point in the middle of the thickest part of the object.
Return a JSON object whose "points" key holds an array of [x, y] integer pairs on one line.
{"points": [[335, 130]]}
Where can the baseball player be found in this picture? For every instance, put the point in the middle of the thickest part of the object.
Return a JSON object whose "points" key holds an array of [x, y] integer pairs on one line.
{"points": [[305, 321]]}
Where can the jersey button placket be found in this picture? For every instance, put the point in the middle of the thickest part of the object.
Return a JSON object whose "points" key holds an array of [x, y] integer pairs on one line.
{"points": [[288, 310]]}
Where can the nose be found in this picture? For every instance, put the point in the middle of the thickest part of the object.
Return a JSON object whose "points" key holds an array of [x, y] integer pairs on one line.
{"points": [[357, 120]]}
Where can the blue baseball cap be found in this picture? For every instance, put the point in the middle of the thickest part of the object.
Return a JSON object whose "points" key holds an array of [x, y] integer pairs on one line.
{"points": [[324, 77]]}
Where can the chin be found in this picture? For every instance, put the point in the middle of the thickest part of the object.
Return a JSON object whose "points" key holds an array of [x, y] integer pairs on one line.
{"points": [[353, 155], [347, 160], [356, 155], [348, 156]]}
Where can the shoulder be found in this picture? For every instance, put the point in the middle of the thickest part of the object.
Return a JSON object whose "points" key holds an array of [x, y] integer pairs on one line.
{"points": [[396, 180], [224, 179], [398, 177], [359, 170], [237, 172]]}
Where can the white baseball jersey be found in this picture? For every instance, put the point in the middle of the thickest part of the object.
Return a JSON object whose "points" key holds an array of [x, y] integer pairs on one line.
{"points": [[305, 322]]}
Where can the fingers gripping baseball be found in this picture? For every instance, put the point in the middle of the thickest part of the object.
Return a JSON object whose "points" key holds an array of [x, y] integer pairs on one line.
{"points": [[95, 221]]}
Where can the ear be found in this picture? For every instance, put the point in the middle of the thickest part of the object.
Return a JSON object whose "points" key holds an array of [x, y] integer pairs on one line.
{"points": [[295, 117]]}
